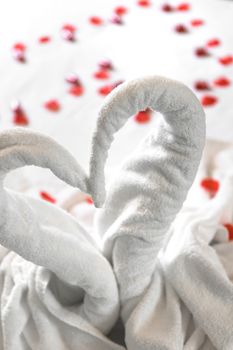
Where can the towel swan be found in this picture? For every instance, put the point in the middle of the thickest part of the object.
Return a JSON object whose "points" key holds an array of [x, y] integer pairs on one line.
{"points": [[142, 202], [174, 274], [152, 184], [137, 211], [57, 290]]}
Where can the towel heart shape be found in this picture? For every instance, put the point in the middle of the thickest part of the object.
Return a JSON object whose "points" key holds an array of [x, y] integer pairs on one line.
{"points": [[137, 210]]}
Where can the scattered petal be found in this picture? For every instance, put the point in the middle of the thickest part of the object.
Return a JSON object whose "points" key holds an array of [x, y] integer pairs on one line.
{"points": [[19, 47], [226, 60], [183, 7], [89, 200], [197, 22], [19, 116], [47, 197], [213, 42], [181, 28], [68, 32], [73, 79], [20, 119], [202, 85], [229, 228], [208, 100], [167, 8], [76, 90], [222, 82], [116, 19], [105, 90], [18, 52], [52, 105], [102, 74], [19, 56], [210, 185], [105, 64], [144, 3], [96, 21], [201, 52], [120, 10], [44, 39], [143, 116], [69, 27]]}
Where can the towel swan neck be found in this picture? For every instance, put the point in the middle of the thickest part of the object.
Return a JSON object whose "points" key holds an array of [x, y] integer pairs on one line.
{"points": [[46, 235], [150, 188]]}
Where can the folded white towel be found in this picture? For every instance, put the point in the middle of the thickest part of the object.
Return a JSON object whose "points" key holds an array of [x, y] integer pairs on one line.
{"points": [[145, 197], [196, 264], [64, 295], [58, 290]]}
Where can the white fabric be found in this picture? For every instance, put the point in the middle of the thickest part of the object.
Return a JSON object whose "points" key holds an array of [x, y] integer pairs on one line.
{"points": [[188, 304], [173, 273], [59, 292], [152, 185]]}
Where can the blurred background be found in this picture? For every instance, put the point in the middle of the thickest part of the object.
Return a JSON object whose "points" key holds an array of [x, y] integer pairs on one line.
{"points": [[60, 58]]}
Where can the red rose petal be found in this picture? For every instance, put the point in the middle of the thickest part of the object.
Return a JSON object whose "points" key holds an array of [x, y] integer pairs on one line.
{"points": [[105, 90], [167, 8], [226, 60], [202, 85], [76, 90], [213, 42], [67, 35], [181, 28], [19, 47], [144, 3], [68, 32], [208, 100], [222, 82], [89, 200], [197, 22], [73, 79], [46, 196], [18, 52], [116, 19], [52, 105], [120, 10], [20, 118], [102, 74], [210, 185], [95, 20], [143, 117], [19, 56], [229, 228], [201, 52], [69, 27], [44, 39], [105, 64], [183, 7]]}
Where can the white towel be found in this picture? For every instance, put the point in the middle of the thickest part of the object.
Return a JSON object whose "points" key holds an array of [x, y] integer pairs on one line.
{"points": [[197, 264], [173, 271], [57, 291], [144, 199]]}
